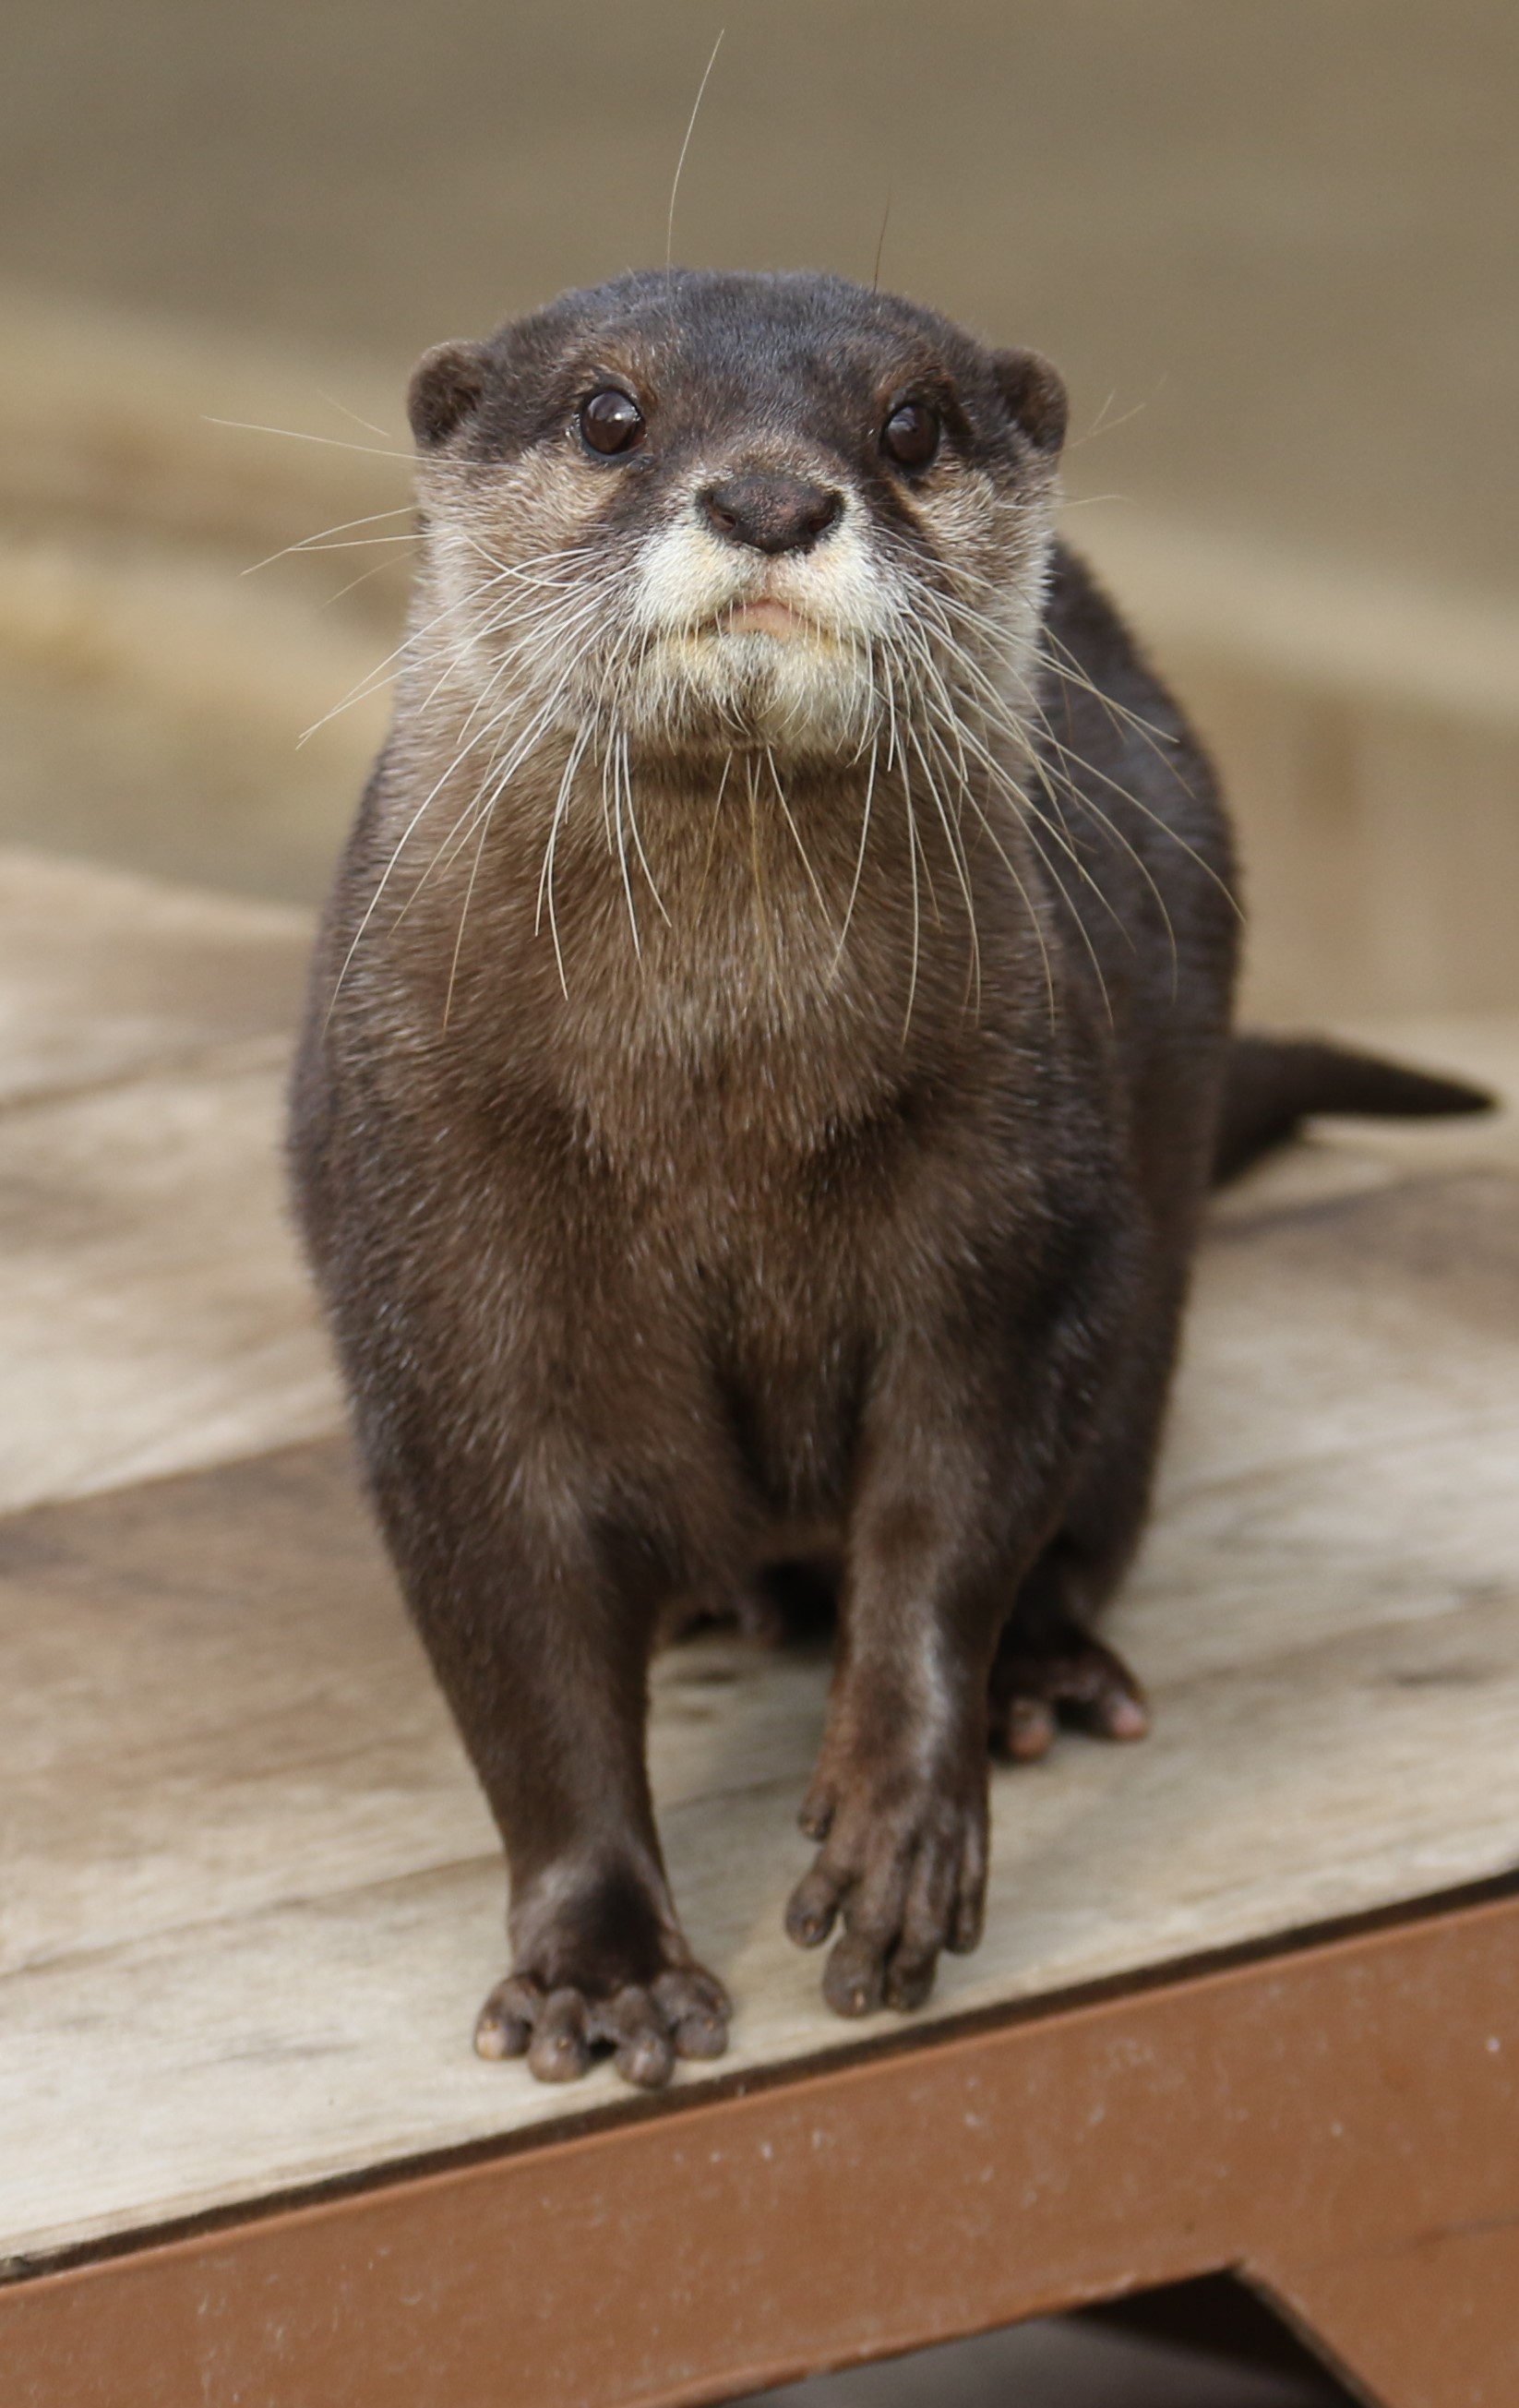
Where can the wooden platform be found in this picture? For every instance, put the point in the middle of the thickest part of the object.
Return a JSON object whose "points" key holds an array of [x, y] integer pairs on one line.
{"points": [[251, 1898]]}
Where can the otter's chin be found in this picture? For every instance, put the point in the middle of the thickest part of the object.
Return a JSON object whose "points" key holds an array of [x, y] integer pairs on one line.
{"points": [[794, 688]]}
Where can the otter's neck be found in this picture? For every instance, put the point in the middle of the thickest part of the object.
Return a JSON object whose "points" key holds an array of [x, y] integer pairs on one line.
{"points": [[808, 938]]}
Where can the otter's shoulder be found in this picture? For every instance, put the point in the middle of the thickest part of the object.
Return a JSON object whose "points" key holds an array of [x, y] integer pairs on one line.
{"points": [[1086, 630], [1083, 614]]}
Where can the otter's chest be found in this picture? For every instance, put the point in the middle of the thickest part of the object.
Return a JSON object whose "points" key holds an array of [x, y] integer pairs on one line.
{"points": [[796, 1260]]}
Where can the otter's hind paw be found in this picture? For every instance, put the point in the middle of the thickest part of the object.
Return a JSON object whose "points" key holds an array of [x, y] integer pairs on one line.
{"points": [[1079, 1681]]}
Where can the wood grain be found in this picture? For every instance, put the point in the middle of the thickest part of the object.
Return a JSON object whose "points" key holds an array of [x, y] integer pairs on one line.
{"points": [[153, 1312], [103, 974], [253, 1898], [250, 1896]]}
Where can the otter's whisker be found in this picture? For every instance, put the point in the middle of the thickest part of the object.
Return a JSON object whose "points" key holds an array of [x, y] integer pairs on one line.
{"points": [[905, 781], [859, 858], [546, 881], [712, 828], [295, 435], [1134, 801], [637, 839], [461, 752], [385, 434], [388, 872], [941, 704], [795, 832], [464, 914], [501, 768], [761, 914], [1024, 896], [371, 683], [619, 758], [1104, 819], [958, 860], [1021, 802], [1028, 815], [691, 127], [377, 569], [319, 542], [905, 664]]}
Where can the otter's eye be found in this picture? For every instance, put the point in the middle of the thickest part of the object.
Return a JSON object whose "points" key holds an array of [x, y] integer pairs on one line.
{"points": [[612, 420], [910, 435]]}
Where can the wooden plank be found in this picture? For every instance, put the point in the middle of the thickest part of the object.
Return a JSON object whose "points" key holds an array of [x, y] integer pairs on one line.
{"points": [[1284, 2108], [251, 1894], [103, 974], [153, 1312], [254, 1898]]}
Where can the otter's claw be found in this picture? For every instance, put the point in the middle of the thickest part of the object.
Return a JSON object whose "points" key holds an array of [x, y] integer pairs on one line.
{"points": [[683, 2013]]}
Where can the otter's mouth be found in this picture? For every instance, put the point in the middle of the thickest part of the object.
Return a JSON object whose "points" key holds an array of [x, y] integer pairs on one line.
{"points": [[760, 616], [764, 615], [767, 664]]}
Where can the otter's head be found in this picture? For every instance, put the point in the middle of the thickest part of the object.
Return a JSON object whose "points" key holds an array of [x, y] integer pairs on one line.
{"points": [[704, 511]]}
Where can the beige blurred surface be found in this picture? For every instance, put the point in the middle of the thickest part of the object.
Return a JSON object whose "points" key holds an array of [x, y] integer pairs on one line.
{"points": [[1280, 232], [1268, 242]]}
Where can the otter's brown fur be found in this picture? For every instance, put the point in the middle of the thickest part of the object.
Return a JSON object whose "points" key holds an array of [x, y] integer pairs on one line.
{"points": [[761, 1074]]}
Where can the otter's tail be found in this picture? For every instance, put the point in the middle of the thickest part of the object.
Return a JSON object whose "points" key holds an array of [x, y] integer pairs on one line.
{"points": [[1275, 1082]]}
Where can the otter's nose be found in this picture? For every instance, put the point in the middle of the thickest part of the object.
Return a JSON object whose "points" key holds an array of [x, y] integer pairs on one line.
{"points": [[771, 513]]}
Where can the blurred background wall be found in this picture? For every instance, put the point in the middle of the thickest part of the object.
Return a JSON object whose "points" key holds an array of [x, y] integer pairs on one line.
{"points": [[1270, 242]]}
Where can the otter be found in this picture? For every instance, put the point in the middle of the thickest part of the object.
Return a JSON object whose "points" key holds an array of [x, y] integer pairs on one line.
{"points": [[768, 1049]]}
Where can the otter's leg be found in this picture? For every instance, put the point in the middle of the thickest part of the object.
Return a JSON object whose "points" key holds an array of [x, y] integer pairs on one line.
{"points": [[967, 1463], [539, 1609], [1050, 1667]]}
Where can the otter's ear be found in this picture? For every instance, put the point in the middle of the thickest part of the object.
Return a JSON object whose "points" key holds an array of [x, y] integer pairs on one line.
{"points": [[1034, 392], [446, 386]]}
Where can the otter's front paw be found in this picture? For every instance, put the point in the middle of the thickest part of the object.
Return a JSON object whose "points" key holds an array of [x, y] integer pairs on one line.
{"points": [[600, 1963], [683, 2012], [903, 1862]]}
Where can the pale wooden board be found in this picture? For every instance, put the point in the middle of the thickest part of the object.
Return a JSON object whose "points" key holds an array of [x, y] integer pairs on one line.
{"points": [[153, 1311], [103, 974], [252, 1894]]}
